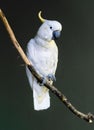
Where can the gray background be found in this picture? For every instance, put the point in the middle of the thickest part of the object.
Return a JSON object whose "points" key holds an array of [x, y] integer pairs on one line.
{"points": [[75, 72]]}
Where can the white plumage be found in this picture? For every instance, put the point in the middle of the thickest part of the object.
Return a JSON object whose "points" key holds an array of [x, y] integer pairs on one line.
{"points": [[43, 54]]}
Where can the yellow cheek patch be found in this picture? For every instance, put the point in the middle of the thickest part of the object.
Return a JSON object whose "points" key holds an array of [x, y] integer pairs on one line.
{"points": [[52, 42]]}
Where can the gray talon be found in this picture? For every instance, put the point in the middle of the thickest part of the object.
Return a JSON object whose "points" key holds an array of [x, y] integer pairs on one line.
{"points": [[51, 77], [43, 81]]}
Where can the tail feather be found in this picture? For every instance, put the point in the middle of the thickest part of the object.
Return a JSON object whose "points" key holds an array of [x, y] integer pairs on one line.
{"points": [[40, 93], [41, 101]]}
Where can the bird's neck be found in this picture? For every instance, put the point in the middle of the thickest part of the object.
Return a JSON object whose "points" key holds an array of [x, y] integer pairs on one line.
{"points": [[44, 43]]}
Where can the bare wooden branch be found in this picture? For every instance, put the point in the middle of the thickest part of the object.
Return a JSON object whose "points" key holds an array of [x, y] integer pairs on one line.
{"points": [[87, 117]]}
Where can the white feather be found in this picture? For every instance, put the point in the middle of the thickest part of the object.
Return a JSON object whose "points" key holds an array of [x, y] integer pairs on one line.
{"points": [[40, 93], [43, 54]]}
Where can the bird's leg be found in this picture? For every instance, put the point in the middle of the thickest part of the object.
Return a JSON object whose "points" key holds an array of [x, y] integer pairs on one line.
{"points": [[51, 77], [43, 81]]}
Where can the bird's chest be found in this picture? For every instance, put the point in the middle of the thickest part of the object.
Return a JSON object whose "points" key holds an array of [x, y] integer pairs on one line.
{"points": [[47, 57]]}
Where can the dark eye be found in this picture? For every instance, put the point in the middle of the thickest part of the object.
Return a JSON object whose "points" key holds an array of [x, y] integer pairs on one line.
{"points": [[50, 27]]}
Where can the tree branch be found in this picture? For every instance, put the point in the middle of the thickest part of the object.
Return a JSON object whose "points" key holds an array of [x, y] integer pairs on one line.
{"points": [[87, 117]]}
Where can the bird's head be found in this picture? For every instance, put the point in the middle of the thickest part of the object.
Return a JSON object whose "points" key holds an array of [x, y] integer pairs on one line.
{"points": [[49, 30]]}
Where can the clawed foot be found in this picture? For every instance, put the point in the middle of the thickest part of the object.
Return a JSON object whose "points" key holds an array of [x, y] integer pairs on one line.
{"points": [[43, 81], [51, 77]]}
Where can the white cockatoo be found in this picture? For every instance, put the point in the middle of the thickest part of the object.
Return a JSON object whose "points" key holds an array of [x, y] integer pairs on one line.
{"points": [[42, 51]]}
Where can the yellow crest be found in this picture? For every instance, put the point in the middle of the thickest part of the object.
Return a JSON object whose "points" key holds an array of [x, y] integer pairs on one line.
{"points": [[40, 17]]}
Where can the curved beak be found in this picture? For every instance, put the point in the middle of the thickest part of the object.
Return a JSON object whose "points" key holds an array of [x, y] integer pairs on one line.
{"points": [[56, 34]]}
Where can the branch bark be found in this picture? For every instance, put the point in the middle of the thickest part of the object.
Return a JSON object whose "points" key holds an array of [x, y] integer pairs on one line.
{"points": [[87, 117]]}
